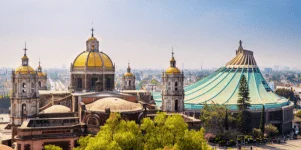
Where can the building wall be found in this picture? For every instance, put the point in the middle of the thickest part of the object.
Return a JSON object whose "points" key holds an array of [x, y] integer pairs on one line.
{"points": [[106, 83], [173, 92]]}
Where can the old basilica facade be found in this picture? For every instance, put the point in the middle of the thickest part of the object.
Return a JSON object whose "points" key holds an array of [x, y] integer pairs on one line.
{"points": [[39, 117]]}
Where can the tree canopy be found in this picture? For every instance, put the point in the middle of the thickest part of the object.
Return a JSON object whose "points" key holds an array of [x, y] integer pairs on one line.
{"points": [[270, 130], [289, 94], [213, 118], [164, 132], [243, 94], [52, 147]]}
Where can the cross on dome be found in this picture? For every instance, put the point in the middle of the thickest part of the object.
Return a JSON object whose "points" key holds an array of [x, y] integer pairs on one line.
{"points": [[92, 30], [25, 50]]}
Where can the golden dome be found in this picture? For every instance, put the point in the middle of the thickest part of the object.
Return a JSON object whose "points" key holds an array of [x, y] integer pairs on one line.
{"points": [[92, 38], [24, 57], [127, 74], [173, 70], [93, 59], [41, 74], [25, 70]]}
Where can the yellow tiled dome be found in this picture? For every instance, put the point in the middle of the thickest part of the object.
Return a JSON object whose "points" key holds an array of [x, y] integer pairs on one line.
{"points": [[25, 70], [92, 38], [93, 59], [24, 57], [41, 74], [128, 74], [173, 70]]}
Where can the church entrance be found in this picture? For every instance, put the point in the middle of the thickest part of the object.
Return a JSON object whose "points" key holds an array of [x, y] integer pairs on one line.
{"points": [[176, 105]]}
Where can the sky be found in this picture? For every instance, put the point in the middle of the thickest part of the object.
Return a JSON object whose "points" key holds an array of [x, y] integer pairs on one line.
{"points": [[143, 32]]}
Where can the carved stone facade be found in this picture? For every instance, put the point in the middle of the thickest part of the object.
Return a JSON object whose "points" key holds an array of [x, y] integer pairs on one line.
{"points": [[173, 88], [25, 95]]}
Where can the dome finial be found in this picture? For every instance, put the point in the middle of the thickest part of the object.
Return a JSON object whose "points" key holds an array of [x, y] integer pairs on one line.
{"points": [[39, 62], [129, 68], [172, 61], [25, 50], [240, 48], [92, 30]]}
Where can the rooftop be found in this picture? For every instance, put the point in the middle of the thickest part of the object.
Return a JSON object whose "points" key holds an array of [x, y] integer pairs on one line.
{"points": [[115, 104]]}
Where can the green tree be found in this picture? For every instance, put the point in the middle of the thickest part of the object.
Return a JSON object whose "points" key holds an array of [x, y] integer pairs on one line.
{"points": [[116, 134], [171, 132], [270, 130], [226, 120], [213, 118], [52, 147], [243, 103], [262, 119], [257, 133], [298, 114], [243, 94], [164, 132]]}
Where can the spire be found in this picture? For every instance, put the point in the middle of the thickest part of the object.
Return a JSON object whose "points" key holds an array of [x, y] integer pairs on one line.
{"points": [[25, 58], [92, 30], [129, 68], [39, 68], [25, 50], [240, 48], [172, 61]]}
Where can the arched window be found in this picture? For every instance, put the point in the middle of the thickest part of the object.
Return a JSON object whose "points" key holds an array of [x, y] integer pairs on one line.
{"points": [[129, 82], [79, 83], [108, 83], [24, 112], [93, 82], [176, 105], [176, 83], [24, 85]]}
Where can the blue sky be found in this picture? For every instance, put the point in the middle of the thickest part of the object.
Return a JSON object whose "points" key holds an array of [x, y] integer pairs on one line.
{"points": [[143, 32]]}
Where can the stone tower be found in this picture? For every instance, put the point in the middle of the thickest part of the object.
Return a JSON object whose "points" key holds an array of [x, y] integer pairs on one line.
{"points": [[172, 90], [42, 78], [25, 95], [128, 80]]}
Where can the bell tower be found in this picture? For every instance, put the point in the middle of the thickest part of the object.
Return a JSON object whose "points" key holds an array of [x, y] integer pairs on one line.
{"points": [[42, 78], [173, 88], [128, 79], [25, 95]]}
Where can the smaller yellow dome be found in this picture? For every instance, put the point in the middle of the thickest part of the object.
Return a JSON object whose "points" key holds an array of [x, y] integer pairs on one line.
{"points": [[128, 74], [173, 70], [25, 70], [41, 74], [92, 38], [24, 57]]}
